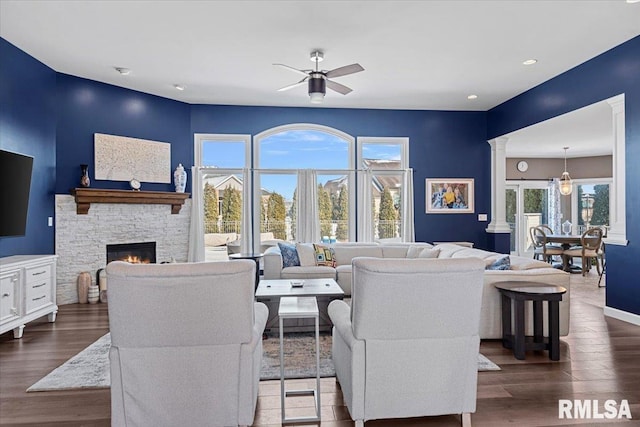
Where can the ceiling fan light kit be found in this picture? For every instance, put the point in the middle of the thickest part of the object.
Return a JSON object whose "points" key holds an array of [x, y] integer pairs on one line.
{"points": [[317, 89], [318, 80]]}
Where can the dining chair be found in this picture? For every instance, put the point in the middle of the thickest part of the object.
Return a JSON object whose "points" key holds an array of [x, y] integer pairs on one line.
{"points": [[546, 228], [542, 249], [590, 246], [601, 255]]}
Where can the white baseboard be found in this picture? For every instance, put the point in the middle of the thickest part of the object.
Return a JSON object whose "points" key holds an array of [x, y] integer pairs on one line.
{"points": [[625, 316]]}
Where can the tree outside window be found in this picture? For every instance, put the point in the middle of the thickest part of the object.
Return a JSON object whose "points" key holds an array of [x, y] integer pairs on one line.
{"points": [[387, 216], [211, 211], [231, 210]]}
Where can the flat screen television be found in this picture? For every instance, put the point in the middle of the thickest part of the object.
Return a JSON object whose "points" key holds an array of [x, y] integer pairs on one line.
{"points": [[15, 185]]}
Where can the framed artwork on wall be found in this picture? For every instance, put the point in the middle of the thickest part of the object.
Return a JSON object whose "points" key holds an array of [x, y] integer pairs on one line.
{"points": [[449, 195]]}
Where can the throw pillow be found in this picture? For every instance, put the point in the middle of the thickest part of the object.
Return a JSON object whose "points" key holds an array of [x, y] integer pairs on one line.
{"points": [[429, 253], [325, 255], [306, 254], [289, 255], [503, 263], [414, 251]]}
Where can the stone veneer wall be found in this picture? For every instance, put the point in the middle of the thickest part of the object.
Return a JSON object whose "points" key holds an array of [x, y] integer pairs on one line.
{"points": [[81, 240]]}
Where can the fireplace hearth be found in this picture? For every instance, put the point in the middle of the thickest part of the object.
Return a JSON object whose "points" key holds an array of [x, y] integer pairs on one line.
{"points": [[135, 253]]}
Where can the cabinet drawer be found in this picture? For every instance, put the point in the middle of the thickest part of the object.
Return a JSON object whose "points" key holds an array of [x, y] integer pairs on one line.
{"points": [[38, 294], [37, 300], [36, 274]]}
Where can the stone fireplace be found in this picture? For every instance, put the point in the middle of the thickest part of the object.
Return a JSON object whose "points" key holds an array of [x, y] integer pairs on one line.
{"points": [[81, 239]]}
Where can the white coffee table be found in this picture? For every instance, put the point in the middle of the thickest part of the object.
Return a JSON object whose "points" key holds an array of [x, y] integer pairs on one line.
{"points": [[299, 308], [325, 291]]}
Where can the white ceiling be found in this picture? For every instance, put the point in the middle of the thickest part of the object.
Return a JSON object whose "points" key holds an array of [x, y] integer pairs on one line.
{"points": [[416, 54], [587, 132]]}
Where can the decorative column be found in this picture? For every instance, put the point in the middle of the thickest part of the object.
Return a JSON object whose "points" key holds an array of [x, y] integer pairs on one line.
{"points": [[617, 234], [498, 224]]}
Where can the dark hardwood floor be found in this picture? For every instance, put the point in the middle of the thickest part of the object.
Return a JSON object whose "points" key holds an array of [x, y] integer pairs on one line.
{"points": [[600, 359]]}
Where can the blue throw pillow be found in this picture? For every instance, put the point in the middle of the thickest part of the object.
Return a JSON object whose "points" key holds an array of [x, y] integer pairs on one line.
{"points": [[289, 255], [503, 263]]}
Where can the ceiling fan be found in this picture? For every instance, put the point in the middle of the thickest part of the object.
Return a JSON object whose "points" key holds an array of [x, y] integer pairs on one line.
{"points": [[318, 80]]}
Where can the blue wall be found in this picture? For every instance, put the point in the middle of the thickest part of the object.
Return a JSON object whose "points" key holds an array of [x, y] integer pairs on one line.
{"points": [[85, 107], [612, 73], [27, 126], [34, 100], [443, 144]]}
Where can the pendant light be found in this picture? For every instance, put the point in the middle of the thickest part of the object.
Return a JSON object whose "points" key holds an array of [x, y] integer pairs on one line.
{"points": [[565, 184]]}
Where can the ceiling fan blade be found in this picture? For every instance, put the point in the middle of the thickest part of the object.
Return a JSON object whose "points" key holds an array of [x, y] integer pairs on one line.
{"points": [[293, 85], [338, 87], [304, 72], [343, 71]]}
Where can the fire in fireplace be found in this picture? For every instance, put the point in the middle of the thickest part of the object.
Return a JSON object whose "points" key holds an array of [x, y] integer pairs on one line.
{"points": [[135, 253]]}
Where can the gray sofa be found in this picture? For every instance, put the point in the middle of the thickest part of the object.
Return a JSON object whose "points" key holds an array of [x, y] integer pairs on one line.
{"points": [[522, 269]]}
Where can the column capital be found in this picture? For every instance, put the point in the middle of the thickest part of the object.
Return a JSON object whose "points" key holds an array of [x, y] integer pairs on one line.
{"points": [[498, 143], [616, 103]]}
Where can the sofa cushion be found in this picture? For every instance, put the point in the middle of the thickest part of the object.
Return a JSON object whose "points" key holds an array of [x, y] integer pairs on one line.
{"points": [[315, 272], [306, 253], [448, 249], [325, 256], [474, 253], [344, 254], [393, 251], [429, 253], [522, 263], [503, 263], [289, 255]]}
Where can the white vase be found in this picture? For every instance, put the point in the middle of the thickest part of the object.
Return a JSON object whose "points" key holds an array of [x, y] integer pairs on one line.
{"points": [[94, 294], [180, 178]]}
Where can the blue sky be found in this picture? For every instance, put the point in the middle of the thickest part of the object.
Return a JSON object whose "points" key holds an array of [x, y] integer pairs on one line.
{"points": [[294, 149]]}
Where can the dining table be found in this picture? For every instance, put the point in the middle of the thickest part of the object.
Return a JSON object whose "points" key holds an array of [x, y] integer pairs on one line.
{"points": [[567, 241]]}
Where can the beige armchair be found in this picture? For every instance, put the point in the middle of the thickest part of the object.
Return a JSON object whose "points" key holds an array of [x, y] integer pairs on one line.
{"points": [[186, 343], [408, 346]]}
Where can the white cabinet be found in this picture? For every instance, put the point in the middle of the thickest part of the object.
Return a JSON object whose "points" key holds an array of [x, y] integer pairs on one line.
{"points": [[27, 291]]}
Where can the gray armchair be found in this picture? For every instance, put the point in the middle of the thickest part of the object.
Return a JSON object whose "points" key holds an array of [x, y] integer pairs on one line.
{"points": [[186, 343], [408, 346]]}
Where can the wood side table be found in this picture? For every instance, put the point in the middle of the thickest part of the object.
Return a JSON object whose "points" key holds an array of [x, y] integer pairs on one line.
{"points": [[538, 293]]}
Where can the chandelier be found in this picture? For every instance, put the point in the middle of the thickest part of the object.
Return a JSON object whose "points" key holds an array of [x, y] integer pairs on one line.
{"points": [[565, 184]]}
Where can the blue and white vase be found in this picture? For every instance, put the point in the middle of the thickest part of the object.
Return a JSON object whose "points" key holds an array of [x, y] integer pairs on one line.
{"points": [[180, 178]]}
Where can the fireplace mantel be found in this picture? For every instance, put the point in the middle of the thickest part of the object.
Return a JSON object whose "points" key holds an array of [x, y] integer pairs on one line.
{"points": [[85, 196]]}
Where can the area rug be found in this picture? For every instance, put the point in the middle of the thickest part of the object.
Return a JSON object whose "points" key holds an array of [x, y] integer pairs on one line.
{"points": [[89, 369]]}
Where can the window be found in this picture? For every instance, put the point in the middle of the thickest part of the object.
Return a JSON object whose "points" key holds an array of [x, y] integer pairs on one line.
{"points": [[239, 175], [280, 152], [221, 159], [591, 205], [387, 158]]}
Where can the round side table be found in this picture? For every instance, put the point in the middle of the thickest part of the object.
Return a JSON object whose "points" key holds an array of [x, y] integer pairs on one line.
{"points": [[538, 293], [255, 257]]}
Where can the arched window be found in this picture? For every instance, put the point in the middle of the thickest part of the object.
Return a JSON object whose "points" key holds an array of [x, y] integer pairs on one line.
{"points": [[279, 154]]}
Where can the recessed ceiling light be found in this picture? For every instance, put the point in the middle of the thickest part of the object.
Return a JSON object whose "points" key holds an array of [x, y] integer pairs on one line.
{"points": [[633, 1], [529, 62], [123, 71], [472, 97], [179, 87]]}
